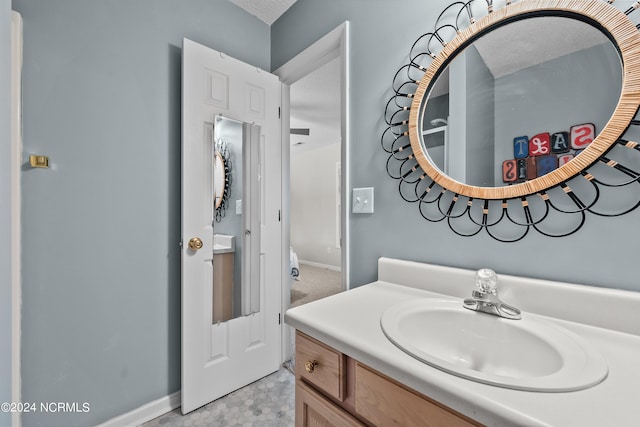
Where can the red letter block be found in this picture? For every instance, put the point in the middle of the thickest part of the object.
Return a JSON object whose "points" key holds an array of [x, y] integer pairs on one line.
{"points": [[582, 135], [540, 144]]}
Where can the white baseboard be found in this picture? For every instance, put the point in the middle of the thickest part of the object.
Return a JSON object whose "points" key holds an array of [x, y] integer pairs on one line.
{"points": [[319, 265], [145, 412]]}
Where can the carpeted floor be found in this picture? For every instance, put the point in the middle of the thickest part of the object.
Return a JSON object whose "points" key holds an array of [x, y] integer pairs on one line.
{"points": [[314, 283]]}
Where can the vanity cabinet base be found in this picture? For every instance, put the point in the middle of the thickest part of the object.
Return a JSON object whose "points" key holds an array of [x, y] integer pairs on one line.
{"points": [[313, 409], [366, 397]]}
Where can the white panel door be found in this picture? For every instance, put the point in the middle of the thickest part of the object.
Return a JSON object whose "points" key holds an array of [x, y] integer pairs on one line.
{"points": [[220, 358]]}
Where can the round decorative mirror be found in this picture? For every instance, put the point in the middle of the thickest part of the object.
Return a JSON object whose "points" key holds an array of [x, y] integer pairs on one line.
{"points": [[221, 179], [496, 102], [499, 108], [218, 180]]}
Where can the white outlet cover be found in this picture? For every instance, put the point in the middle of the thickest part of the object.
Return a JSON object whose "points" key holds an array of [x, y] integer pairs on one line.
{"points": [[238, 207], [362, 201]]}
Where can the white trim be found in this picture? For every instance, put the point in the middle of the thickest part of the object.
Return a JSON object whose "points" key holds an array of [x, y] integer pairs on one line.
{"points": [[346, 157], [16, 160], [333, 45], [146, 412], [286, 332], [338, 203], [320, 265]]}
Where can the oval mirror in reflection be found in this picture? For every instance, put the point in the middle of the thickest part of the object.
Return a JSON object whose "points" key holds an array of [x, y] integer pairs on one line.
{"points": [[521, 101], [218, 180]]}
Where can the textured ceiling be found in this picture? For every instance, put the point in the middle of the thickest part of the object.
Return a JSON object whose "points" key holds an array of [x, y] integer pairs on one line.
{"points": [[522, 44], [266, 10], [534, 41]]}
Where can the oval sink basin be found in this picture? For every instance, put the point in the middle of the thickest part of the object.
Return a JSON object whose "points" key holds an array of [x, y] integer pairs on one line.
{"points": [[528, 354]]}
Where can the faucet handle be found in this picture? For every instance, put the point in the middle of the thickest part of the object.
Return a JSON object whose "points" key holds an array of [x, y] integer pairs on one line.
{"points": [[487, 281]]}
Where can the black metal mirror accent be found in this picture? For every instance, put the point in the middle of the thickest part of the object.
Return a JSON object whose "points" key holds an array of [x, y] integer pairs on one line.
{"points": [[221, 179], [542, 171]]}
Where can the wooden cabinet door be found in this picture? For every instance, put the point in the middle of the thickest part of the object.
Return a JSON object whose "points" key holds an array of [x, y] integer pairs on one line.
{"points": [[313, 410], [384, 402]]}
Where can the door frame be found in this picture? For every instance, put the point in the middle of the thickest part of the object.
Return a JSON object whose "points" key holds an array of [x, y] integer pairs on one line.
{"points": [[15, 206], [333, 45]]}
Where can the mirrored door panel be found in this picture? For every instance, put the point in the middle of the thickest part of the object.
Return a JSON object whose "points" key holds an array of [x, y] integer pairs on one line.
{"points": [[236, 219]]}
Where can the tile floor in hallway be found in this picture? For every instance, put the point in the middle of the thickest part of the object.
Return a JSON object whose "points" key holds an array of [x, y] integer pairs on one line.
{"points": [[268, 402]]}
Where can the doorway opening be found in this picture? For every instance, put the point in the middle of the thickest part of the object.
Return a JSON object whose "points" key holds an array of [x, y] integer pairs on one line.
{"points": [[330, 53], [315, 185]]}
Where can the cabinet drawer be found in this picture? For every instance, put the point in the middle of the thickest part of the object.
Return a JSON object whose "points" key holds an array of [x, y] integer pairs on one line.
{"points": [[384, 402], [320, 365], [314, 410]]}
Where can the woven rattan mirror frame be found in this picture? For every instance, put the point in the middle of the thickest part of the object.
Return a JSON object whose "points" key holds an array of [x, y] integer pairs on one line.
{"points": [[622, 31], [468, 209]]}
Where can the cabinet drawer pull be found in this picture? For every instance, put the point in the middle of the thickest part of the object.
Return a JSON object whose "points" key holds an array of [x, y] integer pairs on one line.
{"points": [[310, 366]]}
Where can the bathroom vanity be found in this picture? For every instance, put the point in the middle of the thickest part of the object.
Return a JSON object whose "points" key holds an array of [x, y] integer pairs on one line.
{"points": [[335, 389], [349, 373]]}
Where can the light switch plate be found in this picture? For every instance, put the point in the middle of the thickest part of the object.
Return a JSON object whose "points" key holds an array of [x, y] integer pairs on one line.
{"points": [[362, 201], [238, 207]]}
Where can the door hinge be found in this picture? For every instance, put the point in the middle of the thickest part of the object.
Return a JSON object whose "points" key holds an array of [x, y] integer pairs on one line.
{"points": [[279, 319], [279, 112], [279, 217]]}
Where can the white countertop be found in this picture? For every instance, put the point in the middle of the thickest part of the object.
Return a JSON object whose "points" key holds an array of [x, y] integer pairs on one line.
{"points": [[222, 249], [350, 323]]}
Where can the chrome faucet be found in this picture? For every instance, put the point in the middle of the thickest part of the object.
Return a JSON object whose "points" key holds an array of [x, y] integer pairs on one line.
{"points": [[485, 298]]}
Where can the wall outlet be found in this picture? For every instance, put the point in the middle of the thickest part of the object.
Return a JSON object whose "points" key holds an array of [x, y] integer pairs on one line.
{"points": [[362, 201]]}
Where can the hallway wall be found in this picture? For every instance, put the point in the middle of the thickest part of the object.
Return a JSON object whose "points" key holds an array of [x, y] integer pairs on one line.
{"points": [[313, 205]]}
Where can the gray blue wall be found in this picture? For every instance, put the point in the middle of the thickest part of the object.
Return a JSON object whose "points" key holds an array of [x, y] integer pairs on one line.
{"points": [[5, 208], [480, 118], [603, 253], [549, 93], [101, 227]]}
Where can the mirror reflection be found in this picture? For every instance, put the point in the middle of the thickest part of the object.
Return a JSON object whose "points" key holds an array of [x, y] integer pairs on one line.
{"points": [[236, 235], [521, 101], [219, 178], [222, 173]]}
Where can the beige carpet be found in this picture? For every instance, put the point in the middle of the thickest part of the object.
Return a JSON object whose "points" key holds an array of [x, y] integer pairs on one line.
{"points": [[314, 283]]}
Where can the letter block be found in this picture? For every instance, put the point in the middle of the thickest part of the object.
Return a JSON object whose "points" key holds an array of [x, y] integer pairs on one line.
{"points": [[520, 147], [560, 142], [564, 159], [540, 144], [522, 169], [546, 164], [509, 170], [532, 170], [582, 135]]}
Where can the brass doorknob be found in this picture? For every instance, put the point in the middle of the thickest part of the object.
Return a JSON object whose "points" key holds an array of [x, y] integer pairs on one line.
{"points": [[310, 366], [195, 244]]}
